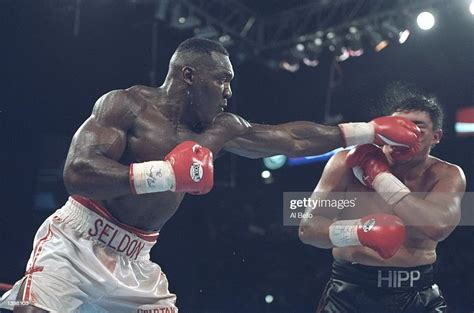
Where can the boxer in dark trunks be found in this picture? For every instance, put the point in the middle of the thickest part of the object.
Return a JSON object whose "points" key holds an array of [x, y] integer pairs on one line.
{"points": [[383, 251]]}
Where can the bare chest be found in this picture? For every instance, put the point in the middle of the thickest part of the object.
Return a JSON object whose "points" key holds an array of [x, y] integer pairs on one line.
{"points": [[154, 136]]}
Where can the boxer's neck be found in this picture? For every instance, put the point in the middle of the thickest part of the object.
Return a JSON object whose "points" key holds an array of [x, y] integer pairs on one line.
{"points": [[175, 104], [411, 169]]}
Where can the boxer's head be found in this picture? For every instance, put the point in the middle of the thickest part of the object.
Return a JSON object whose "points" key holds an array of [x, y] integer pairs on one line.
{"points": [[204, 71], [428, 115]]}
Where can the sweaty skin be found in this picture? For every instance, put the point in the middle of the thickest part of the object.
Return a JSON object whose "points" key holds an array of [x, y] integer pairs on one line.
{"points": [[143, 124], [438, 185]]}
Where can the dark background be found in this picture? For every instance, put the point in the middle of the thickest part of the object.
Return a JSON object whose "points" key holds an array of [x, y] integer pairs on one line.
{"points": [[222, 252]]}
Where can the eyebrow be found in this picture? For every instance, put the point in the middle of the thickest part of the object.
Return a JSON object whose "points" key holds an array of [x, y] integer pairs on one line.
{"points": [[420, 123]]}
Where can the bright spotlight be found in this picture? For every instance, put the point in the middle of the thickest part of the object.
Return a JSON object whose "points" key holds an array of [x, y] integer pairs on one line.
{"points": [[268, 299], [266, 174], [471, 7], [425, 20], [403, 36]]}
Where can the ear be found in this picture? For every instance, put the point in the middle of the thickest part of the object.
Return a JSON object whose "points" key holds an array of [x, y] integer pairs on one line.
{"points": [[187, 73], [437, 136]]}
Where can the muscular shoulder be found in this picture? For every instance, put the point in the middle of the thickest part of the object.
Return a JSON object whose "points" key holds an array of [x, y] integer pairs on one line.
{"points": [[117, 106], [233, 123], [336, 174], [446, 169]]}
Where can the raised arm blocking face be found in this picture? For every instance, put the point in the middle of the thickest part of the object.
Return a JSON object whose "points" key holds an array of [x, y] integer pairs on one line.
{"points": [[293, 139]]}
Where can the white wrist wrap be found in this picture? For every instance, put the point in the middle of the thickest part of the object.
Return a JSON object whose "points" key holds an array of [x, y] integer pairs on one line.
{"points": [[357, 133], [344, 233], [153, 176], [390, 188]]}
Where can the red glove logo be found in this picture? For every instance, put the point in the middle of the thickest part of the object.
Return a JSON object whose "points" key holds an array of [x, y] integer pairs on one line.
{"points": [[196, 172], [368, 225]]}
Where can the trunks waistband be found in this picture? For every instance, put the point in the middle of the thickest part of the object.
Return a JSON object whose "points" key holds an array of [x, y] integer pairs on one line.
{"points": [[95, 222], [418, 277]]}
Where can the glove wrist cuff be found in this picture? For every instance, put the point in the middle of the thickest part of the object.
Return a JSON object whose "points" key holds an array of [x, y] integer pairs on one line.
{"points": [[344, 233], [390, 188], [357, 133], [152, 176]]}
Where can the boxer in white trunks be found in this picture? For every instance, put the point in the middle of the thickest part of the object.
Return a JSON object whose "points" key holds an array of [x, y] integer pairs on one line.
{"points": [[130, 165]]}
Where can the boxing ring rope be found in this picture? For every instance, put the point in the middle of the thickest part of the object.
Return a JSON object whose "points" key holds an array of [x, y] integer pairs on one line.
{"points": [[5, 287]]}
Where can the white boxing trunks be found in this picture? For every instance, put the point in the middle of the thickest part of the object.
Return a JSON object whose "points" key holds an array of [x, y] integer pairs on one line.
{"points": [[84, 260]]}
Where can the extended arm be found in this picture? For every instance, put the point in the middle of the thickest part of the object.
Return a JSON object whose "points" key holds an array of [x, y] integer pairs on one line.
{"points": [[306, 138], [291, 139]]}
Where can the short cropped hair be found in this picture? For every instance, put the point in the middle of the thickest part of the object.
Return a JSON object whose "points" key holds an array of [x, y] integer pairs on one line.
{"points": [[423, 104], [198, 45]]}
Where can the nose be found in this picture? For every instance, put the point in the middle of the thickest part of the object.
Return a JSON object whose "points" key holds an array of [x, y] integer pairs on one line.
{"points": [[227, 91]]}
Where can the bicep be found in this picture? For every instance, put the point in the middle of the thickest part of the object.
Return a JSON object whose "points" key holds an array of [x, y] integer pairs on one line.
{"points": [[448, 193]]}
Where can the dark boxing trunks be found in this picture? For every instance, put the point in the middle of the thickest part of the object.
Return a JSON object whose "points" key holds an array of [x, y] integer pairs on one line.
{"points": [[355, 288]]}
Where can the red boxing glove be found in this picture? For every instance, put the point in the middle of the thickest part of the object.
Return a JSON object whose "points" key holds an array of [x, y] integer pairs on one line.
{"points": [[386, 130], [383, 233], [367, 161], [193, 168], [396, 131]]}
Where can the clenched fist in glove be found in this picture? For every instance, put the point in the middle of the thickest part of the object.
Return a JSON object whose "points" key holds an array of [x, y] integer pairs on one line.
{"points": [[371, 168], [386, 130], [187, 168], [383, 233]]}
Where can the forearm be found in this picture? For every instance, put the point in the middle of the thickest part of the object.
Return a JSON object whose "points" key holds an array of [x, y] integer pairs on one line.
{"points": [[431, 219], [98, 178], [314, 231], [312, 139]]}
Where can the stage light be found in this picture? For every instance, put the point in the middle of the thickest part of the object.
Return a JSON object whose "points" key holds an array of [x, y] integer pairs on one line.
{"points": [[206, 32], [471, 7], [226, 40], [290, 63], [403, 36], [425, 20], [376, 39], [354, 42], [268, 299], [342, 54], [394, 31], [312, 52], [181, 19], [336, 45], [310, 62]]}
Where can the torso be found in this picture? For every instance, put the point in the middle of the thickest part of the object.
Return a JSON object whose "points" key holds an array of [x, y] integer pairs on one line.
{"points": [[152, 138], [417, 249]]}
